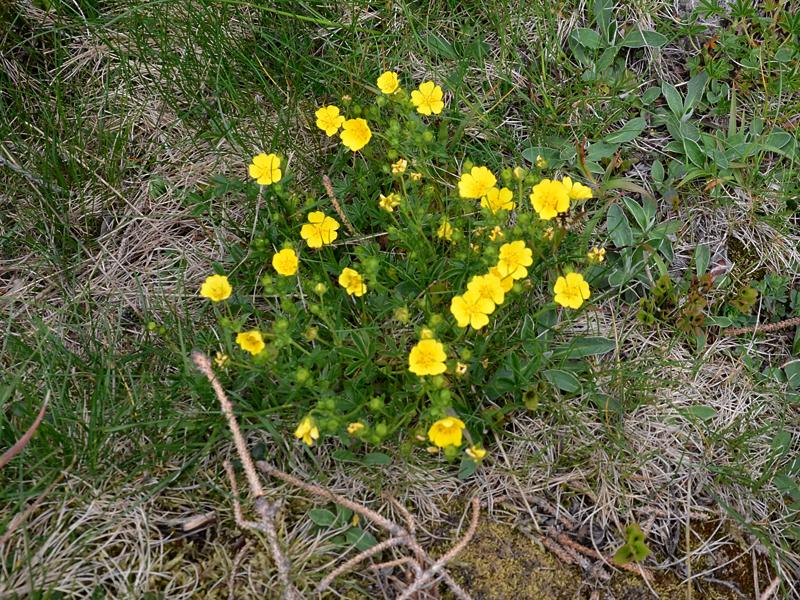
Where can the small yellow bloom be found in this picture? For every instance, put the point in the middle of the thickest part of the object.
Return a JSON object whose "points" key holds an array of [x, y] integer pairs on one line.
{"points": [[498, 199], [389, 82], [426, 334], [471, 309], [596, 255], [576, 190], [221, 360], [390, 202], [251, 341], [519, 173], [415, 176], [285, 262], [445, 231], [329, 119], [354, 428], [427, 358], [351, 280], [476, 453], [549, 233], [432, 450], [319, 230], [216, 288], [446, 432], [549, 198], [487, 286], [265, 169], [496, 233], [506, 281], [514, 257], [540, 162], [399, 167], [320, 288], [428, 98], [307, 431], [571, 290], [476, 183], [461, 369], [355, 134]]}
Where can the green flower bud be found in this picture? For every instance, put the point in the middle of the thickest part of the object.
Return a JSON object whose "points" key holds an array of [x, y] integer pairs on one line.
{"points": [[451, 452], [467, 166], [437, 382], [376, 403], [392, 154], [302, 375], [356, 110], [281, 325], [445, 396], [381, 430], [427, 136], [151, 326], [380, 101]]}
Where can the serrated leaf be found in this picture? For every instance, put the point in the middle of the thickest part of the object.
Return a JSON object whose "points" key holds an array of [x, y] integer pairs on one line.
{"points": [[563, 380], [588, 38], [619, 230], [630, 131], [640, 39]]}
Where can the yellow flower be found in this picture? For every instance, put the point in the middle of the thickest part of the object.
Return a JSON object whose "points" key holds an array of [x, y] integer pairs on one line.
{"points": [[596, 255], [399, 166], [351, 280], [388, 203], [445, 231], [461, 369], [250, 341], [415, 176], [265, 169], [426, 333], [471, 309], [307, 431], [329, 119], [216, 288], [476, 453], [549, 233], [446, 432], [498, 199], [427, 358], [540, 162], [519, 173], [428, 98], [355, 134], [354, 428], [571, 290], [285, 262], [549, 198], [496, 233], [506, 281], [476, 183], [576, 190], [514, 257], [388, 82], [487, 286], [319, 230], [221, 360]]}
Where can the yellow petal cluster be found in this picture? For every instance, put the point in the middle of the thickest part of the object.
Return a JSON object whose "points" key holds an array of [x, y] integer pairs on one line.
{"points": [[307, 431], [388, 82], [285, 262], [320, 230], [476, 183], [446, 432], [216, 288], [352, 282], [265, 169], [355, 134], [571, 290], [427, 358], [428, 98], [251, 341], [329, 119]]}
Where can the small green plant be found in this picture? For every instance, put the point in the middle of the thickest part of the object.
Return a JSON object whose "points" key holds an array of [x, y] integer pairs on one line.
{"points": [[634, 549]]}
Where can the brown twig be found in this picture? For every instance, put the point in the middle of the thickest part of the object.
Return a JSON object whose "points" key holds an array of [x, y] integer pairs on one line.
{"points": [[265, 509], [353, 562], [326, 181], [771, 589], [770, 327], [20, 444]]}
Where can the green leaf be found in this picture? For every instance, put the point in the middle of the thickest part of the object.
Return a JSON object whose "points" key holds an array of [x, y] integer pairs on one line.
{"points": [[589, 346], [638, 213], [702, 256], [640, 550], [650, 95], [623, 556], [694, 91], [640, 39], [563, 380], [634, 534], [362, 540], [699, 411], [694, 152], [551, 155], [588, 38], [792, 371], [602, 10], [466, 468], [674, 99], [631, 130], [619, 230], [377, 458], [322, 517], [657, 171]]}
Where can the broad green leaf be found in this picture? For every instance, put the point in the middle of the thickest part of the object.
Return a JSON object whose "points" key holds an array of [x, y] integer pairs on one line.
{"points": [[694, 91], [377, 458], [700, 411], [624, 555], [589, 346], [792, 371], [640, 39], [588, 38], [322, 517], [602, 10], [657, 171], [563, 380], [694, 152], [551, 155], [674, 99], [631, 130], [650, 95], [362, 540], [702, 256], [466, 468], [637, 211], [619, 230]]}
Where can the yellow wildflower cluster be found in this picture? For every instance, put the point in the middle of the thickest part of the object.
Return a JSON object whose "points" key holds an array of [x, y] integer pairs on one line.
{"points": [[551, 197]]}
